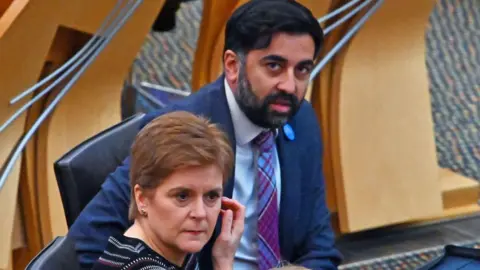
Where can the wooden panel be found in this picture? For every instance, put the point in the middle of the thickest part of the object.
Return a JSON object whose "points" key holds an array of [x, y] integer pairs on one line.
{"points": [[92, 105], [450, 213], [4, 5], [65, 43], [18, 236], [460, 197], [318, 8], [16, 39], [8, 201], [458, 190], [214, 16], [216, 60], [319, 96], [381, 122]]}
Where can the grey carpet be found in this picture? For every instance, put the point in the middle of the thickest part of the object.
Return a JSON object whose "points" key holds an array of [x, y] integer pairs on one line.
{"points": [[453, 61]]}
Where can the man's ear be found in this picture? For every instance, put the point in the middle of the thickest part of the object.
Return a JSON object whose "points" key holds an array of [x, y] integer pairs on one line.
{"points": [[231, 66]]}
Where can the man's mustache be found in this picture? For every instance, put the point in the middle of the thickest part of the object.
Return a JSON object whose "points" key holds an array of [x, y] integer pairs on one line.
{"points": [[282, 98]]}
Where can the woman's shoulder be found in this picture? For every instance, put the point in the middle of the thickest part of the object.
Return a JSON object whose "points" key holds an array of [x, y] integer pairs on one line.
{"points": [[130, 253]]}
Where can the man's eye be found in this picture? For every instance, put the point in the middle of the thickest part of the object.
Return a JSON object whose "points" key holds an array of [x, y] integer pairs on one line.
{"points": [[273, 66], [305, 70]]}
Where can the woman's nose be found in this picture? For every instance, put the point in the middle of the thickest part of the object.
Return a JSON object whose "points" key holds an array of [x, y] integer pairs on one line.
{"points": [[198, 209]]}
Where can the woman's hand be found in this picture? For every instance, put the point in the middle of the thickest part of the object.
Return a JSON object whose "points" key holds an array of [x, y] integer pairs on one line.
{"points": [[226, 245]]}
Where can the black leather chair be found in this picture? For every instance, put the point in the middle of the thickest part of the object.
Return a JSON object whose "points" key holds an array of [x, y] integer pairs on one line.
{"points": [[81, 172], [58, 255]]}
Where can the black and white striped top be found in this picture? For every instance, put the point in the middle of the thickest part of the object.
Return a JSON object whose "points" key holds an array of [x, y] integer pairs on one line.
{"points": [[130, 253]]}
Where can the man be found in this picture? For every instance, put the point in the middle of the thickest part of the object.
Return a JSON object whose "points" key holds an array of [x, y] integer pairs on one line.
{"points": [[270, 47]]}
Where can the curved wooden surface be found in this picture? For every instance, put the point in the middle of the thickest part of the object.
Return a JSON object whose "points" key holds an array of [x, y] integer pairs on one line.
{"points": [[214, 16], [16, 44], [4, 5], [319, 96], [33, 33], [381, 123]]}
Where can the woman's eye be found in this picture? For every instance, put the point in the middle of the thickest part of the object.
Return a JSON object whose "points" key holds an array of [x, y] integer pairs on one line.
{"points": [[213, 196], [183, 196]]}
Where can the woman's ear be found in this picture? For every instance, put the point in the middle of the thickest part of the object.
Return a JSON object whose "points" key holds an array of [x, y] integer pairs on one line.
{"points": [[231, 66], [140, 198]]}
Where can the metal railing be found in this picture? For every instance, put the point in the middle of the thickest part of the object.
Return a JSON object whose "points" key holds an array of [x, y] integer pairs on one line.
{"points": [[323, 62], [121, 13], [88, 53]]}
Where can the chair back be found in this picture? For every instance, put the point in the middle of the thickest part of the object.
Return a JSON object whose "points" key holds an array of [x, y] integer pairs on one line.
{"points": [[58, 255], [81, 172]]}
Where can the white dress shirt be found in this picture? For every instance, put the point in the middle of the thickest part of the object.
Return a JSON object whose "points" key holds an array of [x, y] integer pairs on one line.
{"points": [[244, 190]]}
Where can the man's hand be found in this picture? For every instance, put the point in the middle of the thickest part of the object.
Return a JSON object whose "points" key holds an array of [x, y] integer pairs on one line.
{"points": [[227, 242]]}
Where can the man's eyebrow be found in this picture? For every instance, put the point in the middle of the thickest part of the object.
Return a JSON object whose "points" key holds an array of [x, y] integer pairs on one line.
{"points": [[273, 57], [278, 58], [307, 62]]}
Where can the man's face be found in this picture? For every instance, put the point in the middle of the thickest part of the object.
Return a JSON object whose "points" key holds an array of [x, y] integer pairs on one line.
{"points": [[271, 83]]}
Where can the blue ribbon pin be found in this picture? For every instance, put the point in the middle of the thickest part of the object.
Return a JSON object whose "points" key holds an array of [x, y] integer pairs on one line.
{"points": [[289, 133]]}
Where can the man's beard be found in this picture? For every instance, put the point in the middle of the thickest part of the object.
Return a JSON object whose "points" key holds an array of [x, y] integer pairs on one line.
{"points": [[258, 111]]}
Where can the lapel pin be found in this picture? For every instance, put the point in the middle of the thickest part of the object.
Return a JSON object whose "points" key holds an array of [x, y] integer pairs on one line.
{"points": [[288, 131]]}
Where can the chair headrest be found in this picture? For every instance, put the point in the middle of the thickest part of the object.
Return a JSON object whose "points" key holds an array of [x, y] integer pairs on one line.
{"points": [[81, 172]]}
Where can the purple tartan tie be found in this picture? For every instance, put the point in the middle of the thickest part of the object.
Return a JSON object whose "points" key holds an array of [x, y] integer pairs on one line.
{"points": [[267, 208]]}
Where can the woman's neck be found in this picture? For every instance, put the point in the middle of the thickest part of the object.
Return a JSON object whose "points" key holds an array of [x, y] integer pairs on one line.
{"points": [[141, 230]]}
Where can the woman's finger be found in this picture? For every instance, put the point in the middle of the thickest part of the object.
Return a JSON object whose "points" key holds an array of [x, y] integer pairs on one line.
{"points": [[227, 223], [230, 203], [237, 208], [239, 222]]}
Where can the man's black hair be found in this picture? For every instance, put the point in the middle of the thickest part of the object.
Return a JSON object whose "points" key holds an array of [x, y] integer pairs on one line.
{"points": [[253, 24]]}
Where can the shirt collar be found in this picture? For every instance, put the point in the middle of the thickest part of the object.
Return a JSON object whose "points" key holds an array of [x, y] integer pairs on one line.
{"points": [[245, 130]]}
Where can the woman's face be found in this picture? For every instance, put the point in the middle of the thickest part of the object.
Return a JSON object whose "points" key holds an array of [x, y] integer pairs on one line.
{"points": [[183, 209]]}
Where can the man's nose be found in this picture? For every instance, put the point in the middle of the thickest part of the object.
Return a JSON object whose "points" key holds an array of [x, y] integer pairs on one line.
{"points": [[287, 83]]}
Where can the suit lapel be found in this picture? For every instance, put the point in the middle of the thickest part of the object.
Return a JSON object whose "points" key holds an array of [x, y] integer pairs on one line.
{"points": [[220, 114], [290, 191]]}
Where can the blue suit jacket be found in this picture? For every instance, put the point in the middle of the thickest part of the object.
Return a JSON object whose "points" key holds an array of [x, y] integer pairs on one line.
{"points": [[306, 237]]}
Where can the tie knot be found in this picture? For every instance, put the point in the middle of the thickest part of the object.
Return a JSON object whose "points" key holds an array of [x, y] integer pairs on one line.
{"points": [[264, 140]]}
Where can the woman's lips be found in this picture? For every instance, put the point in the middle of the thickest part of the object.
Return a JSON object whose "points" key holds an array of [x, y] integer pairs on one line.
{"points": [[194, 232]]}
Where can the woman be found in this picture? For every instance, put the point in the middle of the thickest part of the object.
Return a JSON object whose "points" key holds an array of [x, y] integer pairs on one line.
{"points": [[179, 164]]}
